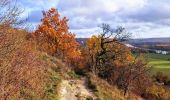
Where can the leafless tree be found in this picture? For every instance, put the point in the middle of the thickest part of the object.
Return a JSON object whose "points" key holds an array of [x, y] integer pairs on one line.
{"points": [[10, 13], [9, 17]]}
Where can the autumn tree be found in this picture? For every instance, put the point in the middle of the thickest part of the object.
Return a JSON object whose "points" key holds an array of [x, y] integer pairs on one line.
{"points": [[105, 50], [110, 59], [135, 75], [53, 36]]}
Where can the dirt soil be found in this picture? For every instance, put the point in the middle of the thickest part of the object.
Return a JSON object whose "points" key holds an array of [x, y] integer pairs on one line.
{"points": [[76, 90]]}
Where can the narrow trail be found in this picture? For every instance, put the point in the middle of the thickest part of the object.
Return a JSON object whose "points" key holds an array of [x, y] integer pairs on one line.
{"points": [[76, 90]]}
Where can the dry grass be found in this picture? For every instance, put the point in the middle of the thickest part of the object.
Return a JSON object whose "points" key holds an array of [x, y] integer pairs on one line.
{"points": [[105, 91], [29, 74], [26, 73]]}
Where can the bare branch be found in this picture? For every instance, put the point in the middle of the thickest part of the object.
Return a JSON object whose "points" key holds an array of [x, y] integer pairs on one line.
{"points": [[10, 13]]}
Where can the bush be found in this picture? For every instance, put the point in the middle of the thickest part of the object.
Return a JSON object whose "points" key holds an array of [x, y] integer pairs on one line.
{"points": [[161, 78], [156, 92]]}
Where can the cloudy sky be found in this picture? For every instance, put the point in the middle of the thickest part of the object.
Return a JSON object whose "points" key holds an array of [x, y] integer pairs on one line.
{"points": [[144, 18]]}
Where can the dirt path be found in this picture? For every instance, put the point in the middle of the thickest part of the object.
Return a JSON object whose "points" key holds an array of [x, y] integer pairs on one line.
{"points": [[75, 90]]}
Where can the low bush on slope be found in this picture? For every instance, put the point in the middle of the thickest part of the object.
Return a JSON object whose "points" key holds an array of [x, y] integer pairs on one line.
{"points": [[25, 72], [105, 91]]}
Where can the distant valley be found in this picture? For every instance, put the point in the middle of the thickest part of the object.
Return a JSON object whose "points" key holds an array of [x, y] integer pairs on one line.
{"points": [[146, 43]]}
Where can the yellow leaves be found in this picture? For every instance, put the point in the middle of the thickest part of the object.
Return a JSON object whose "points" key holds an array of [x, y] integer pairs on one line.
{"points": [[157, 90], [122, 53], [94, 44]]}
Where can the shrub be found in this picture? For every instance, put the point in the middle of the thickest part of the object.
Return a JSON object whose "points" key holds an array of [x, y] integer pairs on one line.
{"points": [[161, 78]]}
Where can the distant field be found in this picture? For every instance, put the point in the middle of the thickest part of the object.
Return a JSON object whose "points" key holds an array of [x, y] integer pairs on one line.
{"points": [[159, 62]]}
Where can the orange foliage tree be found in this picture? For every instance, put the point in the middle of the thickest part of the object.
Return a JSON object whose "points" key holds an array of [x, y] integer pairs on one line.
{"points": [[53, 36], [106, 50], [110, 59], [117, 54]]}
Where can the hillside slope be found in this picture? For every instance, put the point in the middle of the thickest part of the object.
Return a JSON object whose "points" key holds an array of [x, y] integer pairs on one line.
{"points": [[26, 73], [29, 74]]}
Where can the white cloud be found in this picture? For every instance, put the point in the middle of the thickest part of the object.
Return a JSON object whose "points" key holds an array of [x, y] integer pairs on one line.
{"points": [[30, 6], [97, 6], [154, 33], [90, 13], [145, 18]]}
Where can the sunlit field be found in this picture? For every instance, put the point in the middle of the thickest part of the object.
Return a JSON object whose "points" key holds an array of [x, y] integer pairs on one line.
{"points": [[159, 62]]}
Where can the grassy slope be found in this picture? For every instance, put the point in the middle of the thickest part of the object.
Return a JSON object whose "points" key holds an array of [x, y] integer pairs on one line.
{"points": [[29, 74], [105, 91], [26, 73], [160, 63]]}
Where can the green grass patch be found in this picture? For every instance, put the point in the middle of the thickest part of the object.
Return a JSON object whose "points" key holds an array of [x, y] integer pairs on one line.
{"points": [[153, 56], [72, 74], [160, 63], [165, 71], [51, 90]]}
